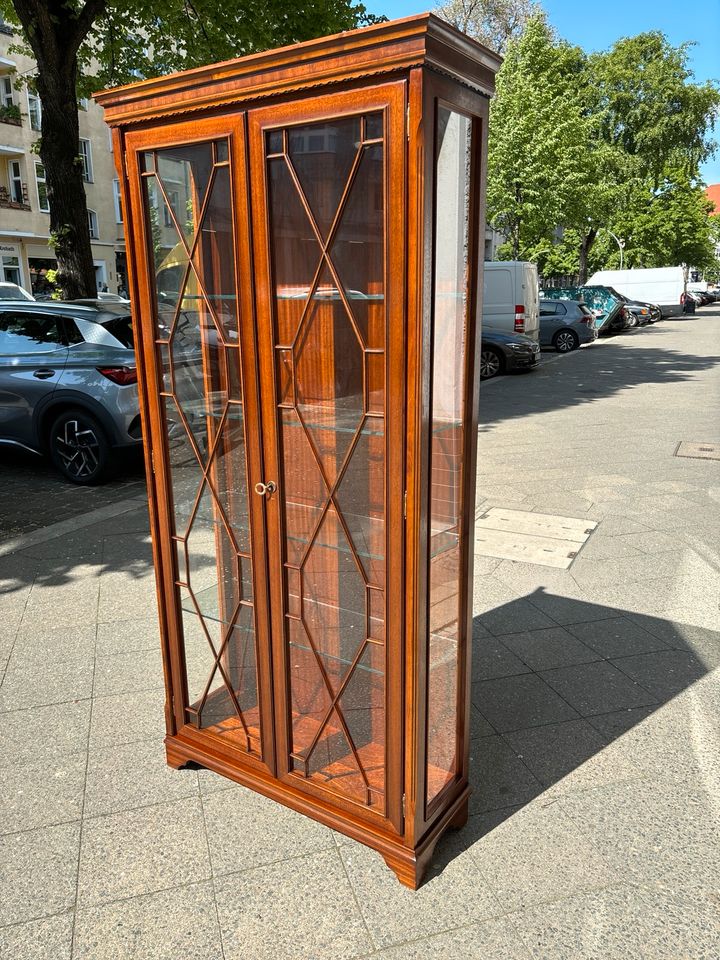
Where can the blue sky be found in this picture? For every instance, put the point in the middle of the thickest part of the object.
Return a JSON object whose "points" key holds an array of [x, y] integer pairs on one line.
{"points": [[599, 25]]}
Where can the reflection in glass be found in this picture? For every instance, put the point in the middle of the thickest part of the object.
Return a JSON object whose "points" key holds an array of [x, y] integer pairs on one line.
{"points": [[361, 498], [322, 155], [304, 489], [214, 259], [374, 126], [327, 384], [295, 251], [358, 247], [448, 385], [329, 377], [189, 208]]}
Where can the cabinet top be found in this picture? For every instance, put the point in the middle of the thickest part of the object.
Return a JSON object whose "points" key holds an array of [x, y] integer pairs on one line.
{"points": [[380, 49]]}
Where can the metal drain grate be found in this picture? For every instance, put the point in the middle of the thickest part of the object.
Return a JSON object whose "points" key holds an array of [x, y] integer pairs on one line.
{"points": [[698, 451], [541, 538]]}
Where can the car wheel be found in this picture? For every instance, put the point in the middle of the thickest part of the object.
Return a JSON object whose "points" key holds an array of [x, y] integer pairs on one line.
{"points": [[491, 363], [79, 448], [566, 340]]}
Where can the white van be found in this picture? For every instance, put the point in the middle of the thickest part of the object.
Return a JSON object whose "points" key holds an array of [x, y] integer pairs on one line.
{"points": [[661, 285], [510, 297]]}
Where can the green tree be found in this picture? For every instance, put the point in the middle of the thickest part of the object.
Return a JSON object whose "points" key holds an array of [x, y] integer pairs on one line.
{"points": [[579, 145], [712, 271], [538, 135], [669, 225], [80, 46], [655, 127]]}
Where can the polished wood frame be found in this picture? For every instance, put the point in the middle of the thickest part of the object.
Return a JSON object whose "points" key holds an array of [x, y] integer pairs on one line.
{"points": [[406, 69]]}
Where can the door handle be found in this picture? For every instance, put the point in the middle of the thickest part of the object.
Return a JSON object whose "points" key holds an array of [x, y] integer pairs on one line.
{"points": [[265, 489], [43, 373]]}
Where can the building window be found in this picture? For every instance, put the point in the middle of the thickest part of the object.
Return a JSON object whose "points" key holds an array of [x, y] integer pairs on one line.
{"points": [[93, 225], [10, 270], [86, 160], [43, 203], [6, 92], [34, 111], [16, 187], [118, 201], [174, 201]]}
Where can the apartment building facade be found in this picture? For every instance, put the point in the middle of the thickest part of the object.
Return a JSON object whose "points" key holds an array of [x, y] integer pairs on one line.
{"points": [[25, 256]]}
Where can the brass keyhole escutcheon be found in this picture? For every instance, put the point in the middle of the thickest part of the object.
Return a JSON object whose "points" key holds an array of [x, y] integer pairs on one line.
{"points": [[265, 489]]}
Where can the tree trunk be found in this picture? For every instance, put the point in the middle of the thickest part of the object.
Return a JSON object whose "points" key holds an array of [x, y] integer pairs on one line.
{"points": [[585, 247], [59, 151], [55, 38]]}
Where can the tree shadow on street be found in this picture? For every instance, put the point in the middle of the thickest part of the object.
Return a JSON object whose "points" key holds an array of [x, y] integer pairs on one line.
{"points": [[589, 374]]}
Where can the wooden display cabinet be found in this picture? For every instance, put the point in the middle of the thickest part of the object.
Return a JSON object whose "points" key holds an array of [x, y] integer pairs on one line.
{"points": [[305, 235]]}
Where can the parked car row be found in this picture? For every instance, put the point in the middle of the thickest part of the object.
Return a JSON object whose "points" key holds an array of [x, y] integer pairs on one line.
{"points": [[68, 381], [518, 318], [702, 298]]}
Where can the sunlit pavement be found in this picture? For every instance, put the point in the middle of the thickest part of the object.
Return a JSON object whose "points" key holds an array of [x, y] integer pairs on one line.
{"points": [[596, 742]]}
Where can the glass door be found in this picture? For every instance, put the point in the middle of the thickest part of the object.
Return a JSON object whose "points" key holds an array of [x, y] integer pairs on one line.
{"points": [[326, 312], [199, 326]]}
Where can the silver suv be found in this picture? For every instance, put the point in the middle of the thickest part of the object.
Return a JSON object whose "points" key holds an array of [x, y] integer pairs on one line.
{"points": [[68, 385]]}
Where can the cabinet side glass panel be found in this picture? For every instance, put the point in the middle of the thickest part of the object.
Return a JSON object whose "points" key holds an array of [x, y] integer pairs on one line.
{"points": [[452, 208], [188, 205], [327, 246]]}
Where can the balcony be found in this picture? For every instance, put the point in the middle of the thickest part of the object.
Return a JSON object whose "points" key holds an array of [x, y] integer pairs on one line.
{"points": [[11, 114], [10, 202]]}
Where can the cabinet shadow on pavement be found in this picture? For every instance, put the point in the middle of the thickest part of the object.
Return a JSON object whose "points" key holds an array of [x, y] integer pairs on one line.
{"points": [[593, 372], [550, 704]]}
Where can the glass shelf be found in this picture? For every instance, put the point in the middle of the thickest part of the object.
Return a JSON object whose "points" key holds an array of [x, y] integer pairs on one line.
{"points": [[336, 422], [441, 541], [365, 531], [324, 293], [208, 602], [337, 659], [368, 533]]}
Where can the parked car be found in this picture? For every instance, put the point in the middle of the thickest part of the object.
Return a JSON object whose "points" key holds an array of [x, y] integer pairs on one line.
{"points": [[506, 352], [11, 291], [660, 285], [565, 324], [104, 298], [68, 385], [643, 313], [510, 297], [607, 308]]}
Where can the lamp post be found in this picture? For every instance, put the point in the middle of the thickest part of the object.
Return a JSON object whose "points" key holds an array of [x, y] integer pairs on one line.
{"points": [[620, 243]]}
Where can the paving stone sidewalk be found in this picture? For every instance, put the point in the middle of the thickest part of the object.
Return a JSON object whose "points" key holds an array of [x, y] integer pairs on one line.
{"points": [[596, 738]]}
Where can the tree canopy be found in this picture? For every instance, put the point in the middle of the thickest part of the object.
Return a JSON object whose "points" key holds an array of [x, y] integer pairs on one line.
{"points": [[581, 145], [81, 46]]}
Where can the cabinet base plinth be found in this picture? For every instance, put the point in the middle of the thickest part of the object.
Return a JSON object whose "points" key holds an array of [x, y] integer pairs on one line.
{"points": [[460, 817], [408, 863], [178, 760], [410, 866]]}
